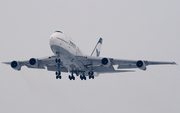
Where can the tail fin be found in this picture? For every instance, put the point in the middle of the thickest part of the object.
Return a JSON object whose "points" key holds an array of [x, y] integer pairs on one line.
{"points": [[97, 49]]}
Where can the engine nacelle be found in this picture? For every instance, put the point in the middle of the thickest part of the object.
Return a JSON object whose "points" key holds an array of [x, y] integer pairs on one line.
{"points": [[141, 65], [15, 65], [34, 62], [106, 62]]}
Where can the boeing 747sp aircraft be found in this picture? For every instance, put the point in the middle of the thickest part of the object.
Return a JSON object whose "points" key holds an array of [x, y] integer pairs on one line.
{"points": [[69, 58]]}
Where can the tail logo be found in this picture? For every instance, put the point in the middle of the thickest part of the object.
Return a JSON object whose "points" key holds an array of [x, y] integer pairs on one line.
{"points": [[97, 49], [97, 52]]}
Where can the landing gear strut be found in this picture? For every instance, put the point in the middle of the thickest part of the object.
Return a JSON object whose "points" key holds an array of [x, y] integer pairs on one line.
{"points": [[77, 73]]}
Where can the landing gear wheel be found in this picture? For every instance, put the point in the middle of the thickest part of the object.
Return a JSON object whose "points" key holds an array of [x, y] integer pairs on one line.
{"points": [[58, 61], [58, 73], [92, 77], [84, 77], [73, 77], [69, 77], [58, 76], [81, 77]]}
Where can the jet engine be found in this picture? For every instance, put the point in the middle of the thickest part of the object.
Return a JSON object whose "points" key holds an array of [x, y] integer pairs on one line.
{"points": [[15, 65], [106, 62], [141, 65], [34, 62]]}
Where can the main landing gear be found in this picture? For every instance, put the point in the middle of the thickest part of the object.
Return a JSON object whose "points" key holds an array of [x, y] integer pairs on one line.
{"points": [[58, 75], [91, 75], [71, 77], [83, 77]]}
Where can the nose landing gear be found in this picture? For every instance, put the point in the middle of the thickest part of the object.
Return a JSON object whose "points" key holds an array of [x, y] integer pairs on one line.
{"points": [[58, 62]]}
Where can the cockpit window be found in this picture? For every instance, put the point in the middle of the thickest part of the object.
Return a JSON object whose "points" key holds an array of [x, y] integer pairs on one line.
{"points": [[58, 31]]}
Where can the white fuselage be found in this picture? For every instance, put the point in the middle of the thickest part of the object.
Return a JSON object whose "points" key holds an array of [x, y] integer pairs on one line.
{"points": [[63, 41], [64, 47]]}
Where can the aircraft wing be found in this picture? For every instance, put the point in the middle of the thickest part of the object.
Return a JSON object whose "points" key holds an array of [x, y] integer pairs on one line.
{"points": [[40, 63], [106, 64], [102, 69], [98, 64], [123, 64]]}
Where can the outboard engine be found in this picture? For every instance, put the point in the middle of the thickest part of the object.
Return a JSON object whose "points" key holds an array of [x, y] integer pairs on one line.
{"points": [[15, 65], [106, 62], [141, 65], [34, 62]]}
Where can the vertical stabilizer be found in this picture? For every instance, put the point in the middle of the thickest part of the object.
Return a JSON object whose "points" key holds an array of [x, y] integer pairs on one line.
{"points": [[97, 49]]}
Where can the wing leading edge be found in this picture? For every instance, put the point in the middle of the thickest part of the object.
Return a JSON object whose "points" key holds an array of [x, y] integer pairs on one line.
{"points": [[96, 64], [105, 64], [39, 63]]}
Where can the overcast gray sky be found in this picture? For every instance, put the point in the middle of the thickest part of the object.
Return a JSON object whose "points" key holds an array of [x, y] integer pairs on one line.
{"points": [[136, 29]]}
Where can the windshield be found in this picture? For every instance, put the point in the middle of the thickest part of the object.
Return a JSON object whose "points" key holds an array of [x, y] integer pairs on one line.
{"points": [[58, 31]]}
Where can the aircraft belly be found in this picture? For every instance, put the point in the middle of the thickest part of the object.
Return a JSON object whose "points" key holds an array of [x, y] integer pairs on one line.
{"points": [[69, 60]]}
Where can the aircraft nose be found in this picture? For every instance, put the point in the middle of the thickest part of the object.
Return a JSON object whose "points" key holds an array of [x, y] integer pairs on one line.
{"points": [[52, 40]]}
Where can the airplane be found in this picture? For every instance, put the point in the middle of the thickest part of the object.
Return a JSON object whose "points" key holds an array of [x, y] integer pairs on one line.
{"points": [[69, 58]]}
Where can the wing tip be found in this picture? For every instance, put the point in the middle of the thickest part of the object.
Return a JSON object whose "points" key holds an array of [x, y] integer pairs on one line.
{"points": [[175, 63], [6, 63]]}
